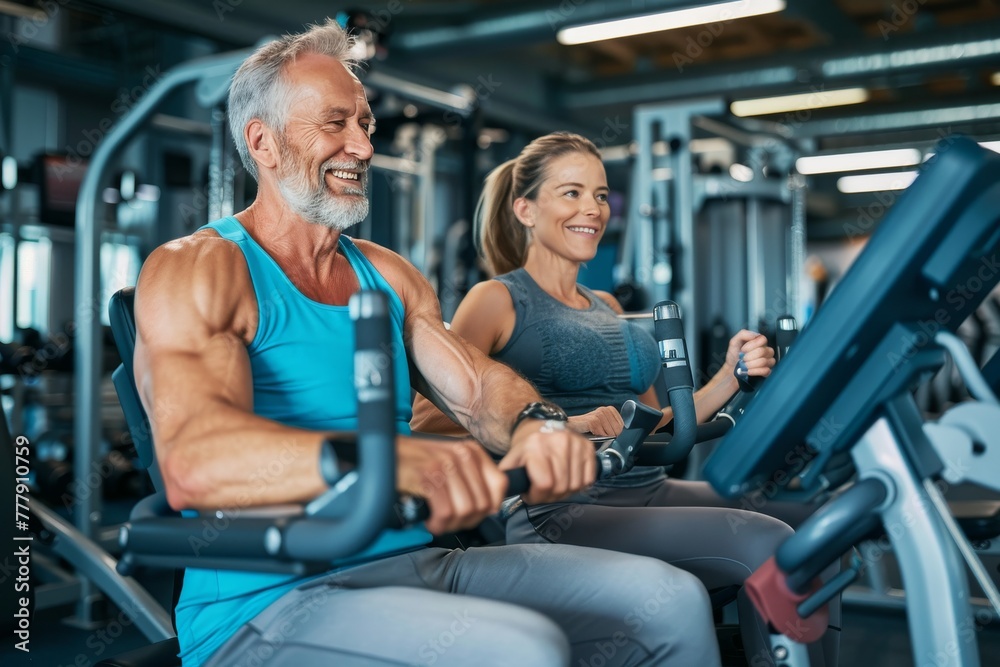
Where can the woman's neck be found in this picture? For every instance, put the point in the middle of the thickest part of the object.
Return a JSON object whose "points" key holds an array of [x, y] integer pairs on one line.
{"points": [[557, 276]]}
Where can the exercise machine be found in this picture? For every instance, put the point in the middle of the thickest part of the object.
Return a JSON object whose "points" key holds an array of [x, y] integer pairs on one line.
{"points": [[840, 407]]}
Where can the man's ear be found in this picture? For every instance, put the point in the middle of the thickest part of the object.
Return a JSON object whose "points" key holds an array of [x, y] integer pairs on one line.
{"points": [[261, 143], [524, 211]]}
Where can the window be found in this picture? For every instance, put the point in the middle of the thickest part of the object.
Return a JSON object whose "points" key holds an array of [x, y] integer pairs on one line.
{"points": [[119, 267], [6, 287], [33, 270]]}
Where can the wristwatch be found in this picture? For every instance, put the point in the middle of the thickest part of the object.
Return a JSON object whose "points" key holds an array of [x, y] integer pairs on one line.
{"points": [[549, 412]]}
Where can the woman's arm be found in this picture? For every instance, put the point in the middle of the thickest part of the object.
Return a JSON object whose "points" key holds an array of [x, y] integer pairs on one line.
{"points": [[708, 400]]}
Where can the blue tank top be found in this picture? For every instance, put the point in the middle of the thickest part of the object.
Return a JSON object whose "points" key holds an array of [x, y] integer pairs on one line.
{"points": [[302, 377]]}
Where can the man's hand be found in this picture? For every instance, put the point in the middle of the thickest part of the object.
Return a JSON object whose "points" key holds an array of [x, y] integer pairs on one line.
{"points": [[605, 420], [559, 461], [459, 481], [758, 357]]}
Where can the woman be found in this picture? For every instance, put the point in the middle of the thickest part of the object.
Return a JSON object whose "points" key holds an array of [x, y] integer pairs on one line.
{"points": [[540, 217]]}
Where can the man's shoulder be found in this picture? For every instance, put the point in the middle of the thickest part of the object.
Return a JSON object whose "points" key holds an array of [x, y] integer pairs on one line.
{"points": [[393, 266], [198, 251], [201, 269], [377, 253]]}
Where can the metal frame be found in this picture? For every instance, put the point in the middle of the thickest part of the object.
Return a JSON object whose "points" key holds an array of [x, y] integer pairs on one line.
{"points": [[928, 559], [88, 359], [94, 564], [652, 199]]}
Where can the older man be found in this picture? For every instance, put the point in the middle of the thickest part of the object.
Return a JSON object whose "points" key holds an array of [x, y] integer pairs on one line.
{"points": [[244, 351]]}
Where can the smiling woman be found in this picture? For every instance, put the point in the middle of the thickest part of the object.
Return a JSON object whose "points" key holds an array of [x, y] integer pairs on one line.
{"points": [[540, 218]]}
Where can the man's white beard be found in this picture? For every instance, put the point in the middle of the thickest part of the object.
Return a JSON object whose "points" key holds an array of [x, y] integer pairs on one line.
{"points": [[316, 204]]}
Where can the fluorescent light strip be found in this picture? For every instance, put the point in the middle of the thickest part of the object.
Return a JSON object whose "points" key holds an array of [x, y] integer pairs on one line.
{"points": [[828, 164], [678, 18], [818, 99], [20, 11], [894, 180]]}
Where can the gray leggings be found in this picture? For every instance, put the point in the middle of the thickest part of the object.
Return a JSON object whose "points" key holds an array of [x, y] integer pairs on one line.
{"points": [[689, 525], [532, 605]]}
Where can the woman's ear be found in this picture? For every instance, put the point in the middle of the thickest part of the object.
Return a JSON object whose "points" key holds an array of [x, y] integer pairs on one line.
{"points": [[261, 143], [524, 211]]}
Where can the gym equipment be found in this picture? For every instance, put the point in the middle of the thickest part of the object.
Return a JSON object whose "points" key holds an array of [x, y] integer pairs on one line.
{"points": [[53, 538], [309, 539], [708, 240], [293, 539], [298, 540], [842, 406], [735, 407]]}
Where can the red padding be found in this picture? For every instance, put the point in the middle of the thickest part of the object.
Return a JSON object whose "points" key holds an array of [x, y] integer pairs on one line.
{"points": [[777, 603]]}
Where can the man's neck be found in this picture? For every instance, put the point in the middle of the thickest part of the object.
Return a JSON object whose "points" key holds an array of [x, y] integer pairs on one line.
{"points": [[305, 251]]}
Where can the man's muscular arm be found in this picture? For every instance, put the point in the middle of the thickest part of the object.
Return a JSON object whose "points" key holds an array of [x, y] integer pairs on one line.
{"points": [[193, 374], [484, 396]]}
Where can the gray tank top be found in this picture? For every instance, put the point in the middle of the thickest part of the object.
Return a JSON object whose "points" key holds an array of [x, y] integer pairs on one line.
{"points": [[579, 359]]}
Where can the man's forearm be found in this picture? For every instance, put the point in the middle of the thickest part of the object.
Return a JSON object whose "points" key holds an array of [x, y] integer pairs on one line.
{"points": [[503, 394]]}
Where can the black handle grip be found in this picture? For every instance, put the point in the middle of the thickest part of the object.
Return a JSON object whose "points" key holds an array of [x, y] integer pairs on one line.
{"points": [[619, 456], [411, 509], [784, 335], [658, 450], [375, 489]]}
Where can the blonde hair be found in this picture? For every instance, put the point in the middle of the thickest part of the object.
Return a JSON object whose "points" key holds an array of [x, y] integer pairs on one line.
{"points": [[503, 240]]}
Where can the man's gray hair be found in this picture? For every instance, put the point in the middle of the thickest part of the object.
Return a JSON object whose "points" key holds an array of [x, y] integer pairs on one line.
{"points": [[259, 89]]}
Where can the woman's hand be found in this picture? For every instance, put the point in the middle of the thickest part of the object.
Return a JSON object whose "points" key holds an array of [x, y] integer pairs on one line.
{"points": [[757, 355], [605, 421]]}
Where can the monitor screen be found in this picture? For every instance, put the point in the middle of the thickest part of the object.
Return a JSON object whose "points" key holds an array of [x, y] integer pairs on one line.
{"points": [[59, 185], [932, 260]]}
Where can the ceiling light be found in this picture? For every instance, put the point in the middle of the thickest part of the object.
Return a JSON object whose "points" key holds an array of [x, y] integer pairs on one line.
{"points": [[677, 18], [826, 164], [818, 99], [741, 172], [22, 12], [894, 180]]}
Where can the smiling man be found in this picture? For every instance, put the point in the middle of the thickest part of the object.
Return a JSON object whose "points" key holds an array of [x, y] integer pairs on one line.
{"points": [[245, 350]]}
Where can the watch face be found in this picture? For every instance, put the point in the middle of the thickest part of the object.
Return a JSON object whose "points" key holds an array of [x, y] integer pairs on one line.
{"points": [[545, 411]]}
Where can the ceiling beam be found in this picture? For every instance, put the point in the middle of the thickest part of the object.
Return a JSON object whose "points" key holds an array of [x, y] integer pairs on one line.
{"points": [[815, 69], [525, 23], [945, 118], [223, 20], [827, 18]]}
